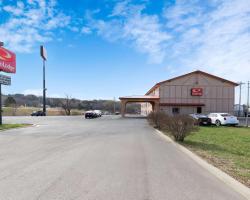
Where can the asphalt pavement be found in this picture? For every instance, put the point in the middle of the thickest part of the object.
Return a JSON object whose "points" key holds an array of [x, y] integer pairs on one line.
{"points": [[109, 158]]}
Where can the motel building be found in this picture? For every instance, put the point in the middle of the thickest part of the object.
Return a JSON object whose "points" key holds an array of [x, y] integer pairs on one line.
{"points": [[195, 92]]}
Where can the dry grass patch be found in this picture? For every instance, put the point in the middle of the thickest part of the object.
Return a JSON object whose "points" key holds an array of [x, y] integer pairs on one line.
{"points": [[26, 111]]}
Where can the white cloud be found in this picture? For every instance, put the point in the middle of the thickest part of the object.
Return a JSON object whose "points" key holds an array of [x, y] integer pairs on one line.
{"points": [[86, 30], [215, 39], [31, 22], [128, 23], [15, 10], [37, 92], [190, 34], [145, 31]]}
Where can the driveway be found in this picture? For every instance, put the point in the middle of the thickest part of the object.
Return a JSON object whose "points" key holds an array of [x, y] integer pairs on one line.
{"points": [[109, 158]]}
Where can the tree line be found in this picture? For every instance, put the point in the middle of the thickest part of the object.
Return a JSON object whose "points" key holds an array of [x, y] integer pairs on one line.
{"points": [[67, 103]]}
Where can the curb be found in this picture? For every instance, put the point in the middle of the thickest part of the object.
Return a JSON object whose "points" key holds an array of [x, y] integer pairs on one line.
{"points": [[228, 180]]}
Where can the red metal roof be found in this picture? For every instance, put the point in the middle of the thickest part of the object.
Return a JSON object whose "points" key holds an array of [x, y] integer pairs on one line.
{"points": [[140, 97]]}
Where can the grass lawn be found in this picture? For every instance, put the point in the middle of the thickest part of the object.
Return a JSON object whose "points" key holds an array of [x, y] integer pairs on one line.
{"points": [[10, 126], [227, 148]]}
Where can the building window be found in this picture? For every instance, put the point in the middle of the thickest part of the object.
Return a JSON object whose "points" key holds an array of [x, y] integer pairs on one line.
{"points": [[199, 110], [175, 110]]}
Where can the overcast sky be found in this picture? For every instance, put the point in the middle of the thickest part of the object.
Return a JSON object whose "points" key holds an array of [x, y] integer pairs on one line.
{"points": [[108, 48]]}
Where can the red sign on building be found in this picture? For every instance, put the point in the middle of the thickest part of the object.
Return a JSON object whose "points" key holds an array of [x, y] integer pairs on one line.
{"points": [[7, 61], [196, 92]]}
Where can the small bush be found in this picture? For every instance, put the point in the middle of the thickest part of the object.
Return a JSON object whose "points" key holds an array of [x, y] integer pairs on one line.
{"points": [[179, 126], [158, 119]]}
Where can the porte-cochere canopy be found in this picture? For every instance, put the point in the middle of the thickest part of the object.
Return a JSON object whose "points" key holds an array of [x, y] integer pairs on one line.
{"points": [[153, 100]]}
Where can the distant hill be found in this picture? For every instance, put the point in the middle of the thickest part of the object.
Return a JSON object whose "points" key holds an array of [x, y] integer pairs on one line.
{"points": [[105, 105]]}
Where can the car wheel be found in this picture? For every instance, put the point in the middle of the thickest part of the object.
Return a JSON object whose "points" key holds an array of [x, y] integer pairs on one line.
{"points": [[217, 122]]}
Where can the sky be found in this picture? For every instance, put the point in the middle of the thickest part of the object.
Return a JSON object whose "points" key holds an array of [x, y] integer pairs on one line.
{"points": [[101, 49]]}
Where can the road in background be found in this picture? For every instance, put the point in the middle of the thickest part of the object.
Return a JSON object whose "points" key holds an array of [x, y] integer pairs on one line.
{"points": [[106, 158]]}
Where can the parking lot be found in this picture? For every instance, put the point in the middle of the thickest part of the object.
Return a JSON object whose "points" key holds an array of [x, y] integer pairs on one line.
{"points": [[103, 158]]}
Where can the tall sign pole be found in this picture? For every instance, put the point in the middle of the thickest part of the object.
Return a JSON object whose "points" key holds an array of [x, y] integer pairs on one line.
{"points": [[43, 54], [248, 87], [114, 106], [1, 114], [7, 65], [44, 88]]}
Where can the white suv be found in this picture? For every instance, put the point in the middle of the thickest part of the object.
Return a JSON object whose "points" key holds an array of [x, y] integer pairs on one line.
{"points": [[223, 119]]}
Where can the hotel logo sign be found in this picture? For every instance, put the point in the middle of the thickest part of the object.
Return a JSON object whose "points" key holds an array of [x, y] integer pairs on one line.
{"points": [[196, 92], [7, 61]]}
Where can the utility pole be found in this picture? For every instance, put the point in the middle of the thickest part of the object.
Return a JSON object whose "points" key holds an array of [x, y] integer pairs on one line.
{"points": [[240, 84], [1, 114], [248, 87]]}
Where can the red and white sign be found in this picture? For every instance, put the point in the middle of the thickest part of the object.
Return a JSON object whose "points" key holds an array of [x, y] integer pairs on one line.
{"points": [[196, 92], [7, 61]]}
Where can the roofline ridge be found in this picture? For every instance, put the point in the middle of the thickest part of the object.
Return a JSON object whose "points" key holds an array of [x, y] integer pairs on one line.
{"points": [[196, 71]]}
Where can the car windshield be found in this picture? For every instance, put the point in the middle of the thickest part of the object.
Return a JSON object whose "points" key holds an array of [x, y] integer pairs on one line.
{"points": [[198, 115], [226, 115], [201, 115]]}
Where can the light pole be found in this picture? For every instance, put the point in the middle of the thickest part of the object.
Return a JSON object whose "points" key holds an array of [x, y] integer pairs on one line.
{"points": [[43, 54], [44, 88]]}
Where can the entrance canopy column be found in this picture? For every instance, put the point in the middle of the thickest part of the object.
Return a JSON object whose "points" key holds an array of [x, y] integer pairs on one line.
{"points": [[123, 107]]}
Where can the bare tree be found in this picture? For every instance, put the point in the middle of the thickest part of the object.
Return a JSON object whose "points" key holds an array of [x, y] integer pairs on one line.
{"points": [[67, 104], [179, 126]]}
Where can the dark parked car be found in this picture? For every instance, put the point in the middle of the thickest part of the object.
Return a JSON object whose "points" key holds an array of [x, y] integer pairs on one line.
{"points": [[38, 113], [90, 115], [202, 120]]}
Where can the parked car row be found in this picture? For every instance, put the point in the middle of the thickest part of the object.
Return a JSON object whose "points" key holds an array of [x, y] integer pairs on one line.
{"points": [[93, 114], [201, 120], [223, 119], [217, 119], [38, 113]]}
